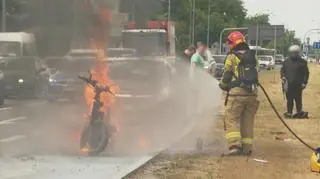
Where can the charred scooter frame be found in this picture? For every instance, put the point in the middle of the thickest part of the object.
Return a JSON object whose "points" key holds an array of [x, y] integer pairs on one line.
{"points": [[96, 134]]}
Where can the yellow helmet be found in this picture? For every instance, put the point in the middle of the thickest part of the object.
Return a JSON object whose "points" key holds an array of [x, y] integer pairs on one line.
{"points": [[315, 161]]}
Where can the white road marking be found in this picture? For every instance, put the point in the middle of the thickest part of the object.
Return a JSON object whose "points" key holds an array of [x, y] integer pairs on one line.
{"points": [[12, 138], [38, 103], [12, 120], [3, 109], [132, 96]]}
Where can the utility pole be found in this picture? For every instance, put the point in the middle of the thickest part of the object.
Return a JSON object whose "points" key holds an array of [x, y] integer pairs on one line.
{"points": [[275, 50], [208, 30], [4, 12], [190, 22], [275, 41], [193, 19], [169, 10], [257, 38]]}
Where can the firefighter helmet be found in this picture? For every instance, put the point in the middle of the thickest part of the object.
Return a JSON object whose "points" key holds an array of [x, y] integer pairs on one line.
{"points": [[235, 38], [315, 161]]}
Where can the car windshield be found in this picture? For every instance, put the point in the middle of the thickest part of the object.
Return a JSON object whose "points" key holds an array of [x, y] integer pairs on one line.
{"points": [[82, 54], [219, 59], [77, 65], [20, 64], [10, 48]]}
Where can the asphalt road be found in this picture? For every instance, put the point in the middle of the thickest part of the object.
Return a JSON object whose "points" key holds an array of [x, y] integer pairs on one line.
{"points": [[37, 127], [41, 140]]}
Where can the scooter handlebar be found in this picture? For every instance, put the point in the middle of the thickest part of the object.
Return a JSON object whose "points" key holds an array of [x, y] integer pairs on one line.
{"points": [[94, 84]]}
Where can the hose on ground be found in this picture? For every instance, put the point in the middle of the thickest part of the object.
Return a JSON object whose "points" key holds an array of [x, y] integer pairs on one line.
{"points": [[282, 120]]}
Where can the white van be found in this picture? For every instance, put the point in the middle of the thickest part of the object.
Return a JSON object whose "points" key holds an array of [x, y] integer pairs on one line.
{"points": [[15, 44]]}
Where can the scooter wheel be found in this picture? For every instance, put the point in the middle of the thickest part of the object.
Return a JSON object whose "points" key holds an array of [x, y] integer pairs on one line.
{"points": [[98, 137], [84, 136]]}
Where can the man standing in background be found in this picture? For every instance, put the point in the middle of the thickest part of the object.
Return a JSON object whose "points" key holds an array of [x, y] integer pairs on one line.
{"points": [[295, 75], [197, 59]]}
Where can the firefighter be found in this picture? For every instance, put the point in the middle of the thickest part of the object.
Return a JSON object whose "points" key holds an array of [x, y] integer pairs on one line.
{"points": [[295, 74], [240, 80]]}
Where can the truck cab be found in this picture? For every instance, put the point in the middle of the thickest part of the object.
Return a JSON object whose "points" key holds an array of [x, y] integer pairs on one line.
{"points": [[17, 44], [156, 38]]}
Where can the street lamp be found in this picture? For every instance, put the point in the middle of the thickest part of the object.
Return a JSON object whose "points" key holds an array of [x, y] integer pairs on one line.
{"points": [[305, 36], [193, 18], [4, 12], [191, 21], [208, 30], [169, 10]]}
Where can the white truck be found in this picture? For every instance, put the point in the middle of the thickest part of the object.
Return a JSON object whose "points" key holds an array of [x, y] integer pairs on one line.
{"points": [[15, 44]]}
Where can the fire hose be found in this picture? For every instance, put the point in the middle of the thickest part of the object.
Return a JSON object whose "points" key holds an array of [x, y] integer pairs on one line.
{"points": [[282, 120]]}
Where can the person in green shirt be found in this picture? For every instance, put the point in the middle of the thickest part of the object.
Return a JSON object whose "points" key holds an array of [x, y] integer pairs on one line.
{"points": [[197, 59]]}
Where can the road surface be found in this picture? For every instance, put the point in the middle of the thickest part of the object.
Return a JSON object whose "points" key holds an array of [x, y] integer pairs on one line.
{"points": [[38, 138]]}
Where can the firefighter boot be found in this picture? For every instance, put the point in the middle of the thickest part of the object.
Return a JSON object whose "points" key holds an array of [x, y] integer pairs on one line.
{"points": [[234, 151]]}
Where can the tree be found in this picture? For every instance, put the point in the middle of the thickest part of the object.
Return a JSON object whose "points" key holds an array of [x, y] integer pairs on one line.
{"points": [[258, 19], [284, 44], [224, 13]]}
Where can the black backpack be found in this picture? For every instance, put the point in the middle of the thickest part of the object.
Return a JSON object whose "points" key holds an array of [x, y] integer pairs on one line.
{"points": [[247, 71]]}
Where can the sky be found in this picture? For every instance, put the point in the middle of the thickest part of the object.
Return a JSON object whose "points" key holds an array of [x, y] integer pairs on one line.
{"points": [[298, 15]]}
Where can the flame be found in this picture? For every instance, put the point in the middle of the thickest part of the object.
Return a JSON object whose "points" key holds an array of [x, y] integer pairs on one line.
{"points": [[98, 42]]}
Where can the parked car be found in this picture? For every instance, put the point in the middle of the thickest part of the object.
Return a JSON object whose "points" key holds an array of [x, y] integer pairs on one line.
{"points": [[91, 53], [139, 79], [218, 72], [81, 54], [24, 77], [279, 59], [266, 62], [64, 82]]}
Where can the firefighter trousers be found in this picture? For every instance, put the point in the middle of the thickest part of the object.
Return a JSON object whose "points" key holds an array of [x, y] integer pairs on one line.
{"points": [[239, 121]]}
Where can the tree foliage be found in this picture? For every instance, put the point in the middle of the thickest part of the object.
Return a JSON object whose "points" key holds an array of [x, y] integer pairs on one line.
{"points": [[224, 14], [284, 43], [258, 19]]}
